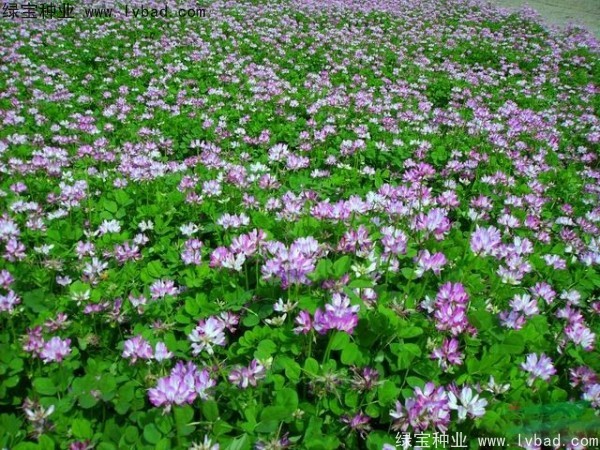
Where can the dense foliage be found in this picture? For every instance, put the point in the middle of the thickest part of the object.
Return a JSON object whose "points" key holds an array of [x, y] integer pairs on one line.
{"points": [[298, 224]]}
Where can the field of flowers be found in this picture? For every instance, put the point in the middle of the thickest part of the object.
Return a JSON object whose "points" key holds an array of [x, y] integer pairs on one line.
{"points": [[359, 224]]}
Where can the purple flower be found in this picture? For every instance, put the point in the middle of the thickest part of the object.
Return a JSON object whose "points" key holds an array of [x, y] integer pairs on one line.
{"points": [[55, 349], [222, 257], [426, 261], [162, 288], [183, 385], [304, 323], [15, 250], [33, 341], [538, 367], [356, 241], [394, 241], [338, 315], [451, 309], [137, 347], [359, 422], [191, 253], [243, 377], [583, 375], [6, 279], [435, 221], [485, 241], [81, 445], [291, 265], [161, 352], [579, 334], [592, 395], [209, 332], [9, 301], [448, 354], [365, 379], [544, 291], [230, 320], [428, 408]]}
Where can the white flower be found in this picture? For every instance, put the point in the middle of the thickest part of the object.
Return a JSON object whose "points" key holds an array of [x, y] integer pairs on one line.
{"points": [[276, 321], [188, 229], [44, 249], [495, 388], [469, 404], [146, 225], [109, 226], [284, 307]]}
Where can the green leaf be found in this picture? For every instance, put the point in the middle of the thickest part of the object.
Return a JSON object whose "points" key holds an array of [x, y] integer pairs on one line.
{"points": [[292, 370], [408, 273], [110, 206], [155, 269], [407, 332], [323, 270], [513, 344], [131, 435], [184, 415], [287, 398], [191, 307], [406, 353], [81, 429], [36, 300], [311, 366], [339, 341], [387, 393], [415, 382], [26, 446], [251, 320], [351, 354], [210, 410], [360, 284], [87, 401], [151, 434], [240, 443], [275, 413], [341, 266], [44, 386], [46, 443], [265, 349]]}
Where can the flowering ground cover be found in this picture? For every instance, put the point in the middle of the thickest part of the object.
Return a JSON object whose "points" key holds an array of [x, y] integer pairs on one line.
{"points": [[298, 224]]}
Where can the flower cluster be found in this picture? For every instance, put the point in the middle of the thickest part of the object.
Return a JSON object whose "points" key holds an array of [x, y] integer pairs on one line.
{"points": [[337, 315], [184, 384], [451, 304]]}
